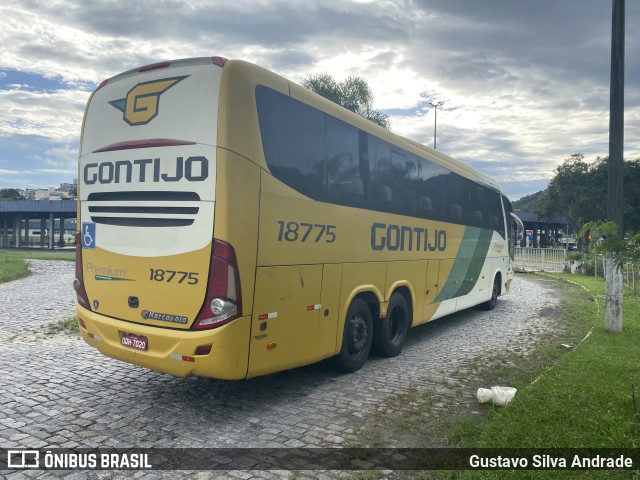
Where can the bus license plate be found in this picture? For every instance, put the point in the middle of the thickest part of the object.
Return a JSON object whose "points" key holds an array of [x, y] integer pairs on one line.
{"points": [[137, 342]]}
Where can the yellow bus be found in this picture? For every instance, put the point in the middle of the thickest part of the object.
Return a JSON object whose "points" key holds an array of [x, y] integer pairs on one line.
{"points": [[233, 224]]}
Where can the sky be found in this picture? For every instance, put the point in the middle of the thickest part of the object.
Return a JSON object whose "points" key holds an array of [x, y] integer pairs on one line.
{"points": [[524, 84]]}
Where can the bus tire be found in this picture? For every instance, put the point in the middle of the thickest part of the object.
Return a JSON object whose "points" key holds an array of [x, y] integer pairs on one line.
{"points": [[357, 337], [493, 301], [391, 334]]}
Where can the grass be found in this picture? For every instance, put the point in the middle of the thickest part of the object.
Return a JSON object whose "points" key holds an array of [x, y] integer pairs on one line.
{"points": [[14, 266], [68, 255], [584, 396], [589, 398], [70, 325], [427, 418]]}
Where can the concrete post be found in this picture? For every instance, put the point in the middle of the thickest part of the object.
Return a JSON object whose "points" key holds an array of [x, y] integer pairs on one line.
{"points": [[27, 224], [61, 231], [43, 227], [4, 237], [51, 230], [17, 231]]}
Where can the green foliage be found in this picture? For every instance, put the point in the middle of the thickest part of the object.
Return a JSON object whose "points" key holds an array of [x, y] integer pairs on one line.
{"points": [[578, 191], [353, 94], [10, 194], [12, 268], [70, 325], [528, 203], [66, 255], [605, 241], [589, 398], [632, 196], [13, 263]]}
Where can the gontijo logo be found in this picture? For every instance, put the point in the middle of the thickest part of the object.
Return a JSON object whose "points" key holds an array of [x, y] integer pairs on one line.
{"points": [[142, 102]]}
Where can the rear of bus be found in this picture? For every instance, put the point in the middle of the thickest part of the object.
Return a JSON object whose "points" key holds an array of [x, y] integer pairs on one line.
{"points": [[155, 286]]}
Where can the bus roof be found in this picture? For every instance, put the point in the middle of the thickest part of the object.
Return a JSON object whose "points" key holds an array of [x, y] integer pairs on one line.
{"points": [[301, 93]]}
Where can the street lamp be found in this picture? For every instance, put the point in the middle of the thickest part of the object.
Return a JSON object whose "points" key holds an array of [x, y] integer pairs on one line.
{"points": [[435, 122]]}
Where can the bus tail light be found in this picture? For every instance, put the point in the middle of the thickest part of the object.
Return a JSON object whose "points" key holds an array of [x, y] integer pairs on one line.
{"points": [[78, 282], [223, 292]]}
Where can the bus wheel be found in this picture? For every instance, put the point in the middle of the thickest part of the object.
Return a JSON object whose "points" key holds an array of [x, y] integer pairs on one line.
{"points": [[357, 337], [391, 335], [493, 301]]}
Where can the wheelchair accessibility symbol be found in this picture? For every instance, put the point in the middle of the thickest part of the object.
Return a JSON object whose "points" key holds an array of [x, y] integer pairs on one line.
{"points": [[88, 235]]}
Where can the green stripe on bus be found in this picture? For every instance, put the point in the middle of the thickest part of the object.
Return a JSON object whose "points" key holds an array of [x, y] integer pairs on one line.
{"points": [[468, 264]]}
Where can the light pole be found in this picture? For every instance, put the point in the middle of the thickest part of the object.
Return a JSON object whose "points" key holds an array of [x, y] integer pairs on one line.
{"points": [[435, 122]]}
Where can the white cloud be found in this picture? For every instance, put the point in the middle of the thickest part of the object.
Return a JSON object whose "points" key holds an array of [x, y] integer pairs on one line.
{"points": [[525, 84], [56, 115]]}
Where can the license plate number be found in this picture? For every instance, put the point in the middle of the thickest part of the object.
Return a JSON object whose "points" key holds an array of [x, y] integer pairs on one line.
{"points": [[137, 342]]}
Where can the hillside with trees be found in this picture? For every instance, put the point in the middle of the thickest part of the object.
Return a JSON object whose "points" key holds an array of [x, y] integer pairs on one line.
{"points": [[528, 203], [578, 191]]}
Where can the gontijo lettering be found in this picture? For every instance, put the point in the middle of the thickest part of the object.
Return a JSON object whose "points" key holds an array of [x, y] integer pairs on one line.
{"points": [[406, 238], [193, 169]]}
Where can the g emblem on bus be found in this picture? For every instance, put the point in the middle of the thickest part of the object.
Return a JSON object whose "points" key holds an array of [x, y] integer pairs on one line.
{"points": [[142, 102]]}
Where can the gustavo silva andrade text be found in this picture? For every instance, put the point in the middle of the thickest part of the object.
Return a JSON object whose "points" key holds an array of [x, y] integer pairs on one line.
{"points": [[551, 462]]}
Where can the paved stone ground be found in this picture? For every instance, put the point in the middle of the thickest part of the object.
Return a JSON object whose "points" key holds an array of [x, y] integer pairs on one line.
{"points": [[56, 391]]}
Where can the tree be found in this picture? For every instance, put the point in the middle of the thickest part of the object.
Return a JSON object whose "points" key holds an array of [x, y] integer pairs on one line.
{"points": [[605, 241], [353, 94], [578, 189], [575, 192], [528, 203], [632, 196], [10, 194]]}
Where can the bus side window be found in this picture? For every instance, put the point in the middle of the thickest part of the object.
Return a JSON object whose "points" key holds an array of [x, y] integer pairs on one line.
{"points": [[293, 142], [476, 218], [424, 207], [455, 213], [343, 164], [383, 195]]}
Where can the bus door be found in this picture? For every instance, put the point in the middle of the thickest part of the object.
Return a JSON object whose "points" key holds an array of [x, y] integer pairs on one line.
{"points": [[431, 290], [447, 286]]}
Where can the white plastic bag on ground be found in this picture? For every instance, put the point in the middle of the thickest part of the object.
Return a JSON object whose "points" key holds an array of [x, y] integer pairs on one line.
{"points": [[497, 395], [484, 395]]}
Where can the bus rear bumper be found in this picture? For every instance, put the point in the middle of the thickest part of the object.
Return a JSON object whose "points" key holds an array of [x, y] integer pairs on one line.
{"points": [[173, 351]]}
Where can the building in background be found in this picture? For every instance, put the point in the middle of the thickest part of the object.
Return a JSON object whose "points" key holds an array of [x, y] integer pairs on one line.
{"points": [[66, 191]]}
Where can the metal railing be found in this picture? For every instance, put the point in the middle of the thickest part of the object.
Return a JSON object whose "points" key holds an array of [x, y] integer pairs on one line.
{"points": [[630, 272], [554, 260], [539, 259]]}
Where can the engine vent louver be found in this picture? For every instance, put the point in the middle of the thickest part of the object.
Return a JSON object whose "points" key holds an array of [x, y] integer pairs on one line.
{"points": [[143, 209]]}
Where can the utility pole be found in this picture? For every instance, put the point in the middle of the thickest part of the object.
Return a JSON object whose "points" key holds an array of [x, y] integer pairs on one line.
{"points": [[615, 198], [435, 122]]}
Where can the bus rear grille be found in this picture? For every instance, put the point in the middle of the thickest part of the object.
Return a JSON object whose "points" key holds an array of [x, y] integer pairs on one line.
{"points": [[144, 209]]}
